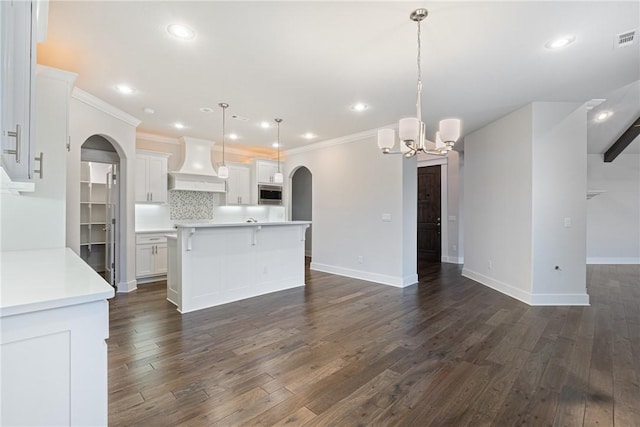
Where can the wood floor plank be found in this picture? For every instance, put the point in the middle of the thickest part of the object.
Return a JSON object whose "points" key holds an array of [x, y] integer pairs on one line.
{"points": [[347, 352]]}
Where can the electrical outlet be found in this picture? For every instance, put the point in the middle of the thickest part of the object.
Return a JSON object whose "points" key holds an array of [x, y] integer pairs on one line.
{"points": [[265, 270], [489, 265], [454, 247], [360, 260]]}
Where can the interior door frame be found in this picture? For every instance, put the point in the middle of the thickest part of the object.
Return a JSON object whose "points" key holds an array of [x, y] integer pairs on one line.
{"points": [[113, 223], [444, 223]]}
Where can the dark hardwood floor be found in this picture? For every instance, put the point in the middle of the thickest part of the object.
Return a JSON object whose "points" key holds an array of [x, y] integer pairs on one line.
{"points": [[345, 352]]}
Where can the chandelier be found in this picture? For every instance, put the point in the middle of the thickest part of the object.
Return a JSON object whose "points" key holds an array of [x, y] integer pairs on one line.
{"points": [[412, 130]]}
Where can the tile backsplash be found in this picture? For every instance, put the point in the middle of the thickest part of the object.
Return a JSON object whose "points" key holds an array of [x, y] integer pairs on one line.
{"points": [[201, 206], [192, 204]]}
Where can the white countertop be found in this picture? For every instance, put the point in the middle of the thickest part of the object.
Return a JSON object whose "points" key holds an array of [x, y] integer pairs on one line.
{"points": [[238, 224], [156, 230], [43, 279]]}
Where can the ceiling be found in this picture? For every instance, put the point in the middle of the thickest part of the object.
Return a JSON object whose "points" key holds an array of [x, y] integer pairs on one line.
{"points": [[309, 62]]}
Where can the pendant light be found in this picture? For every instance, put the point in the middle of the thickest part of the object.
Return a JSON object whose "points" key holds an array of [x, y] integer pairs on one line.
{"points": [[278, 178], [412, 130], [223, 170]]}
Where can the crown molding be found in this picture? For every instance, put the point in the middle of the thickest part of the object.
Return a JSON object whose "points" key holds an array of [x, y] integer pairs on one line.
{"points": [[99, 104], [55, 73], [338, 141], [176, 141], [157, 138]]}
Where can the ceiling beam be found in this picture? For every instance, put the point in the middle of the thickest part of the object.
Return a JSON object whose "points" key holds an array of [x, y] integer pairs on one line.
{"points": [[627, 137]]}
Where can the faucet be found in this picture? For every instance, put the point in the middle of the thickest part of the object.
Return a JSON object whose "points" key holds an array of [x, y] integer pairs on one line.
{"points": [[252, 220]]}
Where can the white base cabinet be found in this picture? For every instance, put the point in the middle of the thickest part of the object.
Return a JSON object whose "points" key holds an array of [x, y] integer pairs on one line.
{"points": [[54, 319], [151, 256], [54, 366]]}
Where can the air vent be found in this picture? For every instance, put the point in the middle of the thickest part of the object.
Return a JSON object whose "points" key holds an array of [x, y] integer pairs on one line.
{"points": [[626, 39]]}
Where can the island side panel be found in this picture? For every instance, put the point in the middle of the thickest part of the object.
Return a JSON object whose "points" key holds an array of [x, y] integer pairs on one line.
{"points": [[227, 264]]}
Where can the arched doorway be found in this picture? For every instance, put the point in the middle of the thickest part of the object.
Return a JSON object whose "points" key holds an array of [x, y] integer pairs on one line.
{"points": [[100, 206], [302, 202]]}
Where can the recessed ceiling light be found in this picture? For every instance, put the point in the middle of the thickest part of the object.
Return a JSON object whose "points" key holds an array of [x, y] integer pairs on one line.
{"points": [[560, 42], [233, 136], [237, 117], [276, 145], [603, 115], [265, 125], [359, 106], [181, 31], [309, 135], [148, 110], [125, 89], [206, 110], [178, 125]]}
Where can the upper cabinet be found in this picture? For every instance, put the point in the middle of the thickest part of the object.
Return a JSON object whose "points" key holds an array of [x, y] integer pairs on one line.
{"points": [[265, 171], [239, 185], [19, 36], [151, 177]]}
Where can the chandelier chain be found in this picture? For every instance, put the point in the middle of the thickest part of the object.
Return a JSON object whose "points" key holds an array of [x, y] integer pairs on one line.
{"points": [[419, 91]]}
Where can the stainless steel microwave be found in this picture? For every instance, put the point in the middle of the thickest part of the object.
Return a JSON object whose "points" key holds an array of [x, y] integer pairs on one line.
{"points": [[269, 194]]}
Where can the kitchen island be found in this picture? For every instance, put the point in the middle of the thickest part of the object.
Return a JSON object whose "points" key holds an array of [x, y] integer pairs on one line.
{"points": [[212, 264]]}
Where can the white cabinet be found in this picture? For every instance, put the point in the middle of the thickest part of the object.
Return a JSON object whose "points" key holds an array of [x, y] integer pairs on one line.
{"points": [[18, 32], [265, 171], [151, 255], [239, 185], [54, 319], [151, 177]]}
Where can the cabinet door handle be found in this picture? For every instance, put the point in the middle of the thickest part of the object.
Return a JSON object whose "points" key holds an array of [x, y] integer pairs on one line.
{"points": [[18, 136], [40, 159], [151, 197]]}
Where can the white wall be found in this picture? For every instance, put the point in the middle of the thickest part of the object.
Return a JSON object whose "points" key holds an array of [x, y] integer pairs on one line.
{"points": [[353, 185], [90, 116], [559, 203], [37, 220], [498, 204], [613, 218], [525, 212]]}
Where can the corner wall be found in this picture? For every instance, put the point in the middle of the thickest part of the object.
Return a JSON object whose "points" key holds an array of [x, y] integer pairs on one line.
{"points": [[498, 205], [525, 204], [353, 186], [90, 116], [559, 204]]}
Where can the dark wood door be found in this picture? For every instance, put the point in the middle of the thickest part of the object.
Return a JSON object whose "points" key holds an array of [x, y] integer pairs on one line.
{"points": [[429, 213]]}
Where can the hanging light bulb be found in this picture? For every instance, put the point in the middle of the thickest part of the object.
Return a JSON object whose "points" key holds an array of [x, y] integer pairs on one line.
{"points": [[223, 170], [278, 178]]}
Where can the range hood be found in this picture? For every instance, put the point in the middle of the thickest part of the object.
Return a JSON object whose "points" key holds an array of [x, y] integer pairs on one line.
{"points": [[197, 172]]}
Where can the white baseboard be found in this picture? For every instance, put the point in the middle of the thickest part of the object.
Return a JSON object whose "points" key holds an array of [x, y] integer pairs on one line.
{"points": [[151, 279], [499, 286], [397, 281], [452, 260], [524, 296], [560, 299], [126, 287], [625, 260]]}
